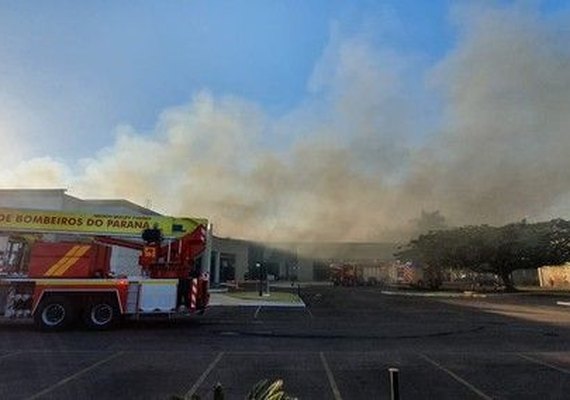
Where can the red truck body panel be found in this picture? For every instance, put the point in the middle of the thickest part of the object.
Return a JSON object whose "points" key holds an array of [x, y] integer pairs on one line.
{"points": [[68, 260]]}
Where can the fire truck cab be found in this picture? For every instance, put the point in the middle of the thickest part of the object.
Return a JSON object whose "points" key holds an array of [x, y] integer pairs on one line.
{"points": [[59, 273]]}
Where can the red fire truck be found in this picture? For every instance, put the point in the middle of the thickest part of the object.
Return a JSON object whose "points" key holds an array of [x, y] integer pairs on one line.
{"points": [[55, 267]]}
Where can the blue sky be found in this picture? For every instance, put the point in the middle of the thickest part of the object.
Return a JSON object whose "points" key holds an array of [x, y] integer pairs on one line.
{"points": [[74, 70]]}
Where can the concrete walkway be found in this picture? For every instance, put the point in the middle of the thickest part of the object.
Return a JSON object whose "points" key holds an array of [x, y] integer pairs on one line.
{"points": [[221, 299]]}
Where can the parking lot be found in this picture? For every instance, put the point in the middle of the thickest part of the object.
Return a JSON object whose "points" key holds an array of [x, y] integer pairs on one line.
{"points": [[339, 347]]}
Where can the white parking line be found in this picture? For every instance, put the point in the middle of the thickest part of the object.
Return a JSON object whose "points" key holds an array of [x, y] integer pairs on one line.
{"points": [[456, 377], [74, 376], [14, 353], [256, 312], [330, 376], [203, 377], [310, 313], [544, 363]]}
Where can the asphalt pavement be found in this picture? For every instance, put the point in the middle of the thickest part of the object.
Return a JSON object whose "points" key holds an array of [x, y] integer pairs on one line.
{"points": [[339, 347]]}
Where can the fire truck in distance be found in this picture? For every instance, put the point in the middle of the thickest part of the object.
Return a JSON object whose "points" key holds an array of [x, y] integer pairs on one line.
{"points": [[354, 274], [56, 267], [420, 276]]}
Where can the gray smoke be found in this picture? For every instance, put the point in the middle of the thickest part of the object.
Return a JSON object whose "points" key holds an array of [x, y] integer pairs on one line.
{"points": [[502, 150], [361, 157]]}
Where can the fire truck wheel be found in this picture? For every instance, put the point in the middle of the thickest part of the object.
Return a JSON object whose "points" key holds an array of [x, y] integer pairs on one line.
{"points": [[101, 314], [54, 313]]}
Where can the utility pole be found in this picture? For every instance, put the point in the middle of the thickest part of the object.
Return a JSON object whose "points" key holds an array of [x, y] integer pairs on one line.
{"points": [[260, 273]]}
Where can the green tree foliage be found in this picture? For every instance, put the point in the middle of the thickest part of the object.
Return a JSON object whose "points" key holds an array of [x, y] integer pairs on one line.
{"points": [[499, 250]]}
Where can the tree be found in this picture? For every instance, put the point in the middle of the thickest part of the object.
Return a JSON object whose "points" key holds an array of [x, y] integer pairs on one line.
{"points": [[429, 221], [499, 250], [433, 251], [528, 246]]}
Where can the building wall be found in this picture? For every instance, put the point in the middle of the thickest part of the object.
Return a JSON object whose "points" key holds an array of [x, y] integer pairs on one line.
{"points": [[525, 277], [111, 207], [305, 269], [52, 199], [58, 200], [555, 276], [71, 203], [237, 248], [302, 261]]}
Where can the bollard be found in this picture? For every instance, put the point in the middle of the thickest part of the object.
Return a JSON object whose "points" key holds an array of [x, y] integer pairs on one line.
{"points": [[218, 391], [394, 383]]}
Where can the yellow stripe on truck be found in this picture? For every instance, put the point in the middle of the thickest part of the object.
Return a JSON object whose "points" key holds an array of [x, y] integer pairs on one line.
{"points": [[62, 260], [62, 269]]}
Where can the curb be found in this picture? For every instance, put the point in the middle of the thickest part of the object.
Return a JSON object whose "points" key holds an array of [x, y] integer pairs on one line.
{"points": [[218, 290], [434, 294]]}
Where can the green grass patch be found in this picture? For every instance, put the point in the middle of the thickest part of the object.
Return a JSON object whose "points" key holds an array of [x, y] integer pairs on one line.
{"points": [[281, 297]]}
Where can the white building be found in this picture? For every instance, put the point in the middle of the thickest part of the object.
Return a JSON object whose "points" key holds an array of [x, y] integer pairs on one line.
{"points": [[124, 261], [230, 259]]}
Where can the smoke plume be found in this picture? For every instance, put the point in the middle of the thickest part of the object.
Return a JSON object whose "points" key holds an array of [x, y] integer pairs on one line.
{"points": [[481, 136]]}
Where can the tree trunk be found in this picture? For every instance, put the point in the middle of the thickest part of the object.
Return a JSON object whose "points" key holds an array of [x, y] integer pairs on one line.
{"points": [[507, 281]]}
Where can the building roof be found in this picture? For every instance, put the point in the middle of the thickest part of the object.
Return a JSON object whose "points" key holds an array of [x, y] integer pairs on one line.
{"points": [[32, 191], [119, 203], [68, 202]]}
